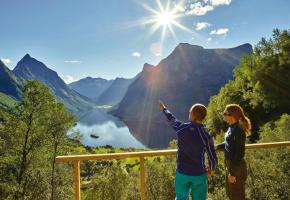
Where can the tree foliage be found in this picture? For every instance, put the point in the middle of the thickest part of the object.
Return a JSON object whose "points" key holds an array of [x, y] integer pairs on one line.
{"points": [[32, 135], [269, 169], [261, 85]]}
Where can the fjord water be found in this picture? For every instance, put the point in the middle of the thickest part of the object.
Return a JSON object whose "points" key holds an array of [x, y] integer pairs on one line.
{"points": [[106, 130]]}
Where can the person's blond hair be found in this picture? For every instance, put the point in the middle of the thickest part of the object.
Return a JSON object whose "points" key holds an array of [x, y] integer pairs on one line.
{"points": [[237, 112]]}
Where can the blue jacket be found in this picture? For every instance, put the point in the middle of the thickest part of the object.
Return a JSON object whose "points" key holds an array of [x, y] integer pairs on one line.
{"points": [[192, 142]]}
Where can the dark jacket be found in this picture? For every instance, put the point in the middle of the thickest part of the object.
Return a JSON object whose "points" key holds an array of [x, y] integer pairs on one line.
{"points": [[192, 141], [234, 147]]}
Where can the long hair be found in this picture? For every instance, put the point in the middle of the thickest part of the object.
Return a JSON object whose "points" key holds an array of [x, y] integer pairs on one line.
{"points": [[238, 113]]}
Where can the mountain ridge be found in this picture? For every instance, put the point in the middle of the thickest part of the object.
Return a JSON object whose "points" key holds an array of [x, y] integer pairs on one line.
{"points": [[91, 87], [115, 92], [190, 74], [9, 83], [29, 68]]}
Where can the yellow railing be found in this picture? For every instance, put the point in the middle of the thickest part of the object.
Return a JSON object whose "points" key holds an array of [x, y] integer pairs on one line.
{"points": [[141, 155]]}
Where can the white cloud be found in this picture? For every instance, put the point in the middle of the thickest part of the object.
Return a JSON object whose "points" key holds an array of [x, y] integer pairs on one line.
{"points": [[209, 40], [156, 48], [68, 78], [6, 61], [201, 25], [72, 61], [221, 31], [199, 9], [220, 2], [179, 7], [136, 54]]}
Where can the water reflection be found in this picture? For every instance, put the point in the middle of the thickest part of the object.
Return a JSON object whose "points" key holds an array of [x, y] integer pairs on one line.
{"points": [[97, 128]]}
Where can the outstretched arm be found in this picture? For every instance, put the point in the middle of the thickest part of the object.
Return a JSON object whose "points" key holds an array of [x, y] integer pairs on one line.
{"points": [[174, 122]]}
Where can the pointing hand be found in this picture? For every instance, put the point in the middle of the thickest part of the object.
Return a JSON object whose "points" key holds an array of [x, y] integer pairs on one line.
{"points": [[161, 105]]}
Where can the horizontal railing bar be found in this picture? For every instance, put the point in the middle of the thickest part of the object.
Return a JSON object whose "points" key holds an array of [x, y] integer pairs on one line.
{"points": [[115, 155], [267, 145], [109, 156]]}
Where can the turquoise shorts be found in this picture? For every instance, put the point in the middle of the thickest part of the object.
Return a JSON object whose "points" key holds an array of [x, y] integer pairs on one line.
{"points": [[185, 184]]}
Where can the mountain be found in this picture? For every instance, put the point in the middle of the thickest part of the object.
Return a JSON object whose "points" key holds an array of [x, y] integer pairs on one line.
{"points": [[91, 87], [29, 68], [102, 91], [115, 92], [9, 84], [190, 74]]}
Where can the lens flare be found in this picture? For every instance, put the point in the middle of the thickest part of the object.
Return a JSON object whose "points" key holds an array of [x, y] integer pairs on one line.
{"points": [[165, 18]]}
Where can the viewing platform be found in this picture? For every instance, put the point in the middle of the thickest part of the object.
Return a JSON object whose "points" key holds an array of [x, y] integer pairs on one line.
{"points": [[75, 159]]}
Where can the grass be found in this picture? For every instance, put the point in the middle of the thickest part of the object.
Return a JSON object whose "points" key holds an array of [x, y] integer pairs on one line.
{"points": [[7, 101]]}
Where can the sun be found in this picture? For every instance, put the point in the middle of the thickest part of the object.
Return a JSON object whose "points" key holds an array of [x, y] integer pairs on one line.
{"points": [[165, 18]]}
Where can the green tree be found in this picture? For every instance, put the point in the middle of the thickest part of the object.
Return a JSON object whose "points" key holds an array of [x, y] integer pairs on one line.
{"points": [[269, 169], [160, 174], [28, 132], [260, 86], [58, 124], [111, 182], [31, 136]]}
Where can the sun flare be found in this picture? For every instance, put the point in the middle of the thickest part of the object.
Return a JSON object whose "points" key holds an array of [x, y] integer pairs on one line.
{"points": [[165, 18]]}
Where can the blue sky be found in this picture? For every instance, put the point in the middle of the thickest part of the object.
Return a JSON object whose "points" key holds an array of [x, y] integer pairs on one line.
{"points": [[110, 38]]}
